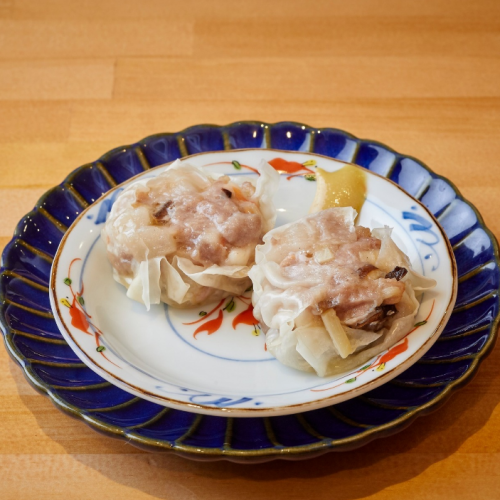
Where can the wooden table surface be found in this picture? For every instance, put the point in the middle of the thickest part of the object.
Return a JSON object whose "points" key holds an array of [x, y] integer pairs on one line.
{"points": [[78, 78]]}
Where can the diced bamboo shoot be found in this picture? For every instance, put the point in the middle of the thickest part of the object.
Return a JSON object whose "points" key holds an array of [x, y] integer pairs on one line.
{"points": [[369, 256], [307, 318], [392, 295], [337, 333], [323, 255]]}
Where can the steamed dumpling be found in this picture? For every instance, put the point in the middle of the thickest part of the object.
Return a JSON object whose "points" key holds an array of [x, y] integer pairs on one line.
{"points": [[333, 295], [187, 237]]}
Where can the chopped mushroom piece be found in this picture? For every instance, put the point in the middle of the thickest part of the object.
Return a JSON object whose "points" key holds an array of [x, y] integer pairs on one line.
{"points": [[163, 210], [398, 273], [365, 270], [378, 319]]}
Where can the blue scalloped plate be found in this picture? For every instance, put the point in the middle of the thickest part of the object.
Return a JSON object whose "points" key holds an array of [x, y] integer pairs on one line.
{"points": [[34, 341]]}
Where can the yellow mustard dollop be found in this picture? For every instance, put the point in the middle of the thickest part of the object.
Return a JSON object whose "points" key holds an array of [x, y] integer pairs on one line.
{"points": [[343, 188]]}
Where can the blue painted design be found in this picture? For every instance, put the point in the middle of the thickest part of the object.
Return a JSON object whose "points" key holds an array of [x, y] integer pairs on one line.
{"points": [[161, 149], [219, 402], [105, 207], [202, 138], [122, 163], [368, 201], [474, 248], [424, 226], [205, 398]]}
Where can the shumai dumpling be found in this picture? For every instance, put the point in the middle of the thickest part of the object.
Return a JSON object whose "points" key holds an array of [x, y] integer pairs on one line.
{"points": [[332, 295], [187, 237]]}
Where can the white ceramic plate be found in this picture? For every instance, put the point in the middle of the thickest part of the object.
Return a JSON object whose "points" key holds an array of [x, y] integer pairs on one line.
{"points": [[156, 356]]}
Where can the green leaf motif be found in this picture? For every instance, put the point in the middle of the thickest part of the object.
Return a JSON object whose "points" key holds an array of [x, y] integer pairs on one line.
{"points": [[310, 177], [100, 348], [365, 367], [67, 281], [420, 323], [236, 164], [202, 313], [230, 306], [80, 299], [351, 380]]}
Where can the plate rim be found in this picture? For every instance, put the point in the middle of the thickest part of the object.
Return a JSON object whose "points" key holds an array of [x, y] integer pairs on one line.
{"points": [[248, 412], [265, 454]]}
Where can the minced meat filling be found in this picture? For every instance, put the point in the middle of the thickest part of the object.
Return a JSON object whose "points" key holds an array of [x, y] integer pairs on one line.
{"points": [[341, 277], [206, 221]]}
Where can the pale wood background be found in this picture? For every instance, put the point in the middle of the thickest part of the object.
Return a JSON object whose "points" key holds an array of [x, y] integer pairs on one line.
{"points": [[79, 77]]}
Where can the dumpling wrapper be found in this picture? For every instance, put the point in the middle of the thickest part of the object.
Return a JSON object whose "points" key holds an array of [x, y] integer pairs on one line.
{"points": [[280, 302], [169, 278]]}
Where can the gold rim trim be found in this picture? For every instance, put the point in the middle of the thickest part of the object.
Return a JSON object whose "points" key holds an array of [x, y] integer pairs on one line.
{"points": [[43, 314], [36, 251], [142, 158], [106, 174], [62, 227], [152, 420], [115, 407], [31, 283], [463, 335], [45, 340], [78, 197], [192, 429], [475, 271], [89, 387]]}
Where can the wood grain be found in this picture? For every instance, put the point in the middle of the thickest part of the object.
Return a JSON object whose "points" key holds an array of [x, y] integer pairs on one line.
{"points": [[51, 39], [257, 79], [56, 79], [26, 121], [79, 78]]}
